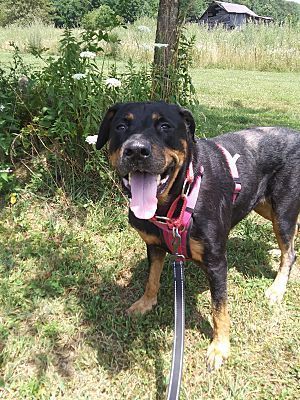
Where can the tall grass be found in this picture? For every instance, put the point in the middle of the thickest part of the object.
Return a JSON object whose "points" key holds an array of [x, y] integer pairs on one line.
{"points": [[254, 47], [36, 34], [260, 47]]}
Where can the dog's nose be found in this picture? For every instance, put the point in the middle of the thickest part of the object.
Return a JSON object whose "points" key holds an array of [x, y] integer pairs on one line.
{"points": [[137, 150]]}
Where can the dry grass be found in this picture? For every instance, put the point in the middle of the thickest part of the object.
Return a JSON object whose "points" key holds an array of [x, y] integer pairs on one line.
{"points": [[255, 47]]}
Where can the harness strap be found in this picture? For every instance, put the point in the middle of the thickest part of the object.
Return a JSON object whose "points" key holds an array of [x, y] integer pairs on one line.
{"points": [[231, 161], [169, 224]]}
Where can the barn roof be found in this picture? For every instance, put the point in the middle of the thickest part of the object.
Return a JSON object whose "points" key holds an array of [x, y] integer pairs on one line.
{"points": [[236, 8], [233, 8]]}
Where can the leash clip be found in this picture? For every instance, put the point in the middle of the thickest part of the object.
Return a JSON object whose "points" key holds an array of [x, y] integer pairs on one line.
{"points": [[161, 220], [177, 242]]}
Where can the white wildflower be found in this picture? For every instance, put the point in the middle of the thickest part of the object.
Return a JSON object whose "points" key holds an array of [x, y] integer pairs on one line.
{"points": [[6, 171], [77, 77], [113, 82], [2, 107], [143, 28], [88, 54], [91, 139], [160, 45]]}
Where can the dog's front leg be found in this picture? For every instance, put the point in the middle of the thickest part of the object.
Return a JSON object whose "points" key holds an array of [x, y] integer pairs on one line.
{"points": [[156, 257], [219, 349]]}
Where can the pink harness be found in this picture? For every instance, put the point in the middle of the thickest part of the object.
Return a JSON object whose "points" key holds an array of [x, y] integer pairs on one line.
{"points": [[174, 228]]}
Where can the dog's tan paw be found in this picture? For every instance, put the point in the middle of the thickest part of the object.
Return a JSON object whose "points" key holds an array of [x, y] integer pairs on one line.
{"points": [[143, 305], [275, 294], [217, 353]]}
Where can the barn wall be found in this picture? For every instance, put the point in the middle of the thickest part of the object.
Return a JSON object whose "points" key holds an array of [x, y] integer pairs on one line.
{"points": [[216, 15], [237, 19]]}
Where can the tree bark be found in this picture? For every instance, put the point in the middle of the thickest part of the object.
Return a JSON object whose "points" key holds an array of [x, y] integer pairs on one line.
{"points": [[167, 32]]}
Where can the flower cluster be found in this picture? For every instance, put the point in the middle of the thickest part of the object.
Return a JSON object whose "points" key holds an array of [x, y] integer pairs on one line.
{"points": [[91, 139], [6, 171], [113, 82], [87, 54], [77, 77]]}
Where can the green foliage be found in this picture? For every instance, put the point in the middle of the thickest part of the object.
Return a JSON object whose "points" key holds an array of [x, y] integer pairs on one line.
{"points": [[69, 13], [183, 86], [24, 11], [194, 8], [130, 10], [16, 103], [58, 106], [103, 18]]}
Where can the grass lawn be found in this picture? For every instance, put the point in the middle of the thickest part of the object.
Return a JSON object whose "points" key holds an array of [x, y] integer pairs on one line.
{"points": [[70, 266], [231, 100]]}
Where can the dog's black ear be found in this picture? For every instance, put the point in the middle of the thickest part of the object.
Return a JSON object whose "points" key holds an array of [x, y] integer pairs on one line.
{"points": [[105, 125], [189, 121]]}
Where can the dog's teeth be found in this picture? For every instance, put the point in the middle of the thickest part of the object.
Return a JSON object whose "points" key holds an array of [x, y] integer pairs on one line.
{"points": [[164, 180], [129, 178], [158, 179], [126, 182]]}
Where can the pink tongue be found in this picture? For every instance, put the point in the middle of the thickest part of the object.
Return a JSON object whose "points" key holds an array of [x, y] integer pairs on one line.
{"points": [[143, 195]]}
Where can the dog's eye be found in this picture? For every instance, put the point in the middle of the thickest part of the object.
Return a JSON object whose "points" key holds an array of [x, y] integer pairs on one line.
{"points": [[121, 127], [164, 127]]}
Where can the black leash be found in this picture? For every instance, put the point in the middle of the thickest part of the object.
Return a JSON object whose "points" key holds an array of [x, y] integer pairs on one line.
{"points": [[178, 344]]}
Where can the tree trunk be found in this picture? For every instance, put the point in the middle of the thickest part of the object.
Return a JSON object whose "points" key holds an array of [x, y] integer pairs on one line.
{"points": [[167, 32]]}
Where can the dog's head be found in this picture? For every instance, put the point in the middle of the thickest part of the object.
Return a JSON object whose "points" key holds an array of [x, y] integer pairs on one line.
{"points": [[149, 145]]}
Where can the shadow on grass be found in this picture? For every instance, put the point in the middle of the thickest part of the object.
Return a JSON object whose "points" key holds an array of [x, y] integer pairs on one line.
{"points": [[250, 258], [121, 341], [213, 121]]}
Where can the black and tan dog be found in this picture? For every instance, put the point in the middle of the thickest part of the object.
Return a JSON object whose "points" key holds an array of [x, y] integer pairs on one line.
{"points": [[151, 145]]}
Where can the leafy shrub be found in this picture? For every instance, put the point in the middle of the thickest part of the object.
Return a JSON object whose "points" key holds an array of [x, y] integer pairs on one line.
{"points": [[114, 45], [179, 87], [17, 105], [103, 18], [46, 115], [69, 13], [24, 11]]}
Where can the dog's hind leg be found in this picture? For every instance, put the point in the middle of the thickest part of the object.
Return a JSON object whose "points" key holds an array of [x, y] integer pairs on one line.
{"points": [[156, 257], [285, 225]]}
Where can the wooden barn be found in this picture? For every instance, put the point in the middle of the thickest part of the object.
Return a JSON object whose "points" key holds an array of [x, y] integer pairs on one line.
{"points": [[229, 15]]}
